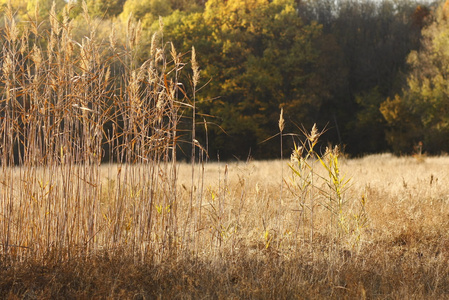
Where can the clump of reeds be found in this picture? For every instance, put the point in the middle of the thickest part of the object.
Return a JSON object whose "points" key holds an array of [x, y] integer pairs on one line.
{"points": [[67, 106], [320, 188]]}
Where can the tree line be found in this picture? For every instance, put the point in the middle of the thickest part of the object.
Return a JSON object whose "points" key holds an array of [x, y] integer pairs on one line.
{"points": [[372, 74]]}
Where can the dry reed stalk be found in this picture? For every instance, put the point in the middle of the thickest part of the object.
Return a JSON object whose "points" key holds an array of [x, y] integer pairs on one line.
{"points": [[281, 124], [195, 144]]}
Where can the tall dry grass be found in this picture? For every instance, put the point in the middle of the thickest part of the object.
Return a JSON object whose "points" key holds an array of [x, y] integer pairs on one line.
{"points": [[65, 104], [143, 225]]}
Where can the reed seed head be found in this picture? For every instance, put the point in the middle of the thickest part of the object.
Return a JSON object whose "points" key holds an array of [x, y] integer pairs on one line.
{"points": [[159, 55], [174, 54], [138, 33], [36, 56], [314, 134], [11, 30], [296, 154], [112, 38], [24, 40], [153, 44], [161, 24], [131, 31], [281, 120], [7, 64], [53, 20], [85, 11], [195, 68]]}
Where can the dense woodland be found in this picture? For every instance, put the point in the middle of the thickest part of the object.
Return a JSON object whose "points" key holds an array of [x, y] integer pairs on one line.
{"points": [[373, 74]]}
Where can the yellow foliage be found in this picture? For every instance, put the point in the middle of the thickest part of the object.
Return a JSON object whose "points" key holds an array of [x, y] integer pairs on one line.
{"points": [[390, 109]]}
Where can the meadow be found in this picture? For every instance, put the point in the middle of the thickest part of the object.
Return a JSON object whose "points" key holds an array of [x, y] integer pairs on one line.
{"points": [[95, 204], [244, 239]]}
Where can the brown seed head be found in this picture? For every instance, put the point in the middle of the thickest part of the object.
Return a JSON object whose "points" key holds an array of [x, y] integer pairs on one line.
{"points": [[195, 68], [296, 154], [313, 134], [281, 120]]}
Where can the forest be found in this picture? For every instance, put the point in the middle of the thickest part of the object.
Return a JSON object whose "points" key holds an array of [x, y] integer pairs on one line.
{"points": [[371, 74]]}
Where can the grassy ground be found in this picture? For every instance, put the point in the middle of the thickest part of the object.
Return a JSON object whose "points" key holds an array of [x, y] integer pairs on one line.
{"points": [[254, 248]]}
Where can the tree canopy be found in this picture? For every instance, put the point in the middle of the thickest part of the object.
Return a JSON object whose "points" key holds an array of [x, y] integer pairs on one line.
{"points": [[373, 73], [420, 113]]}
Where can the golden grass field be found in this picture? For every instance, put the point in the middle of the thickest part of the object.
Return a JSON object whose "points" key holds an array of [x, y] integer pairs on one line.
{"points": [[249, 242]]}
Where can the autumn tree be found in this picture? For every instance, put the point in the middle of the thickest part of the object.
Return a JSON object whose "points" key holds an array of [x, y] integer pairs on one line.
{"points": [[260, 57], [146, 11], [370, 41], [105, 8], [25, 8], [421, 111]]}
